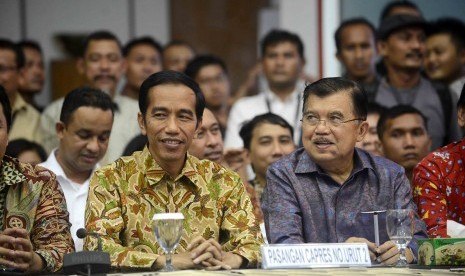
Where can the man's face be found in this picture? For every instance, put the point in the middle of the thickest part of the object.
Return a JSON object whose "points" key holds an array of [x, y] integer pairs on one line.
{"points": [[103, 65], [325, 143], [84, 141], [405, 140], [404, 49], [9, 74], [214, 84], [208, 142], [170, 124], [32, 76], [282, 64], [371, 141], [358, 51], [269, 143], [3, 133], [443, 61], [142, 61], [177, 57]]}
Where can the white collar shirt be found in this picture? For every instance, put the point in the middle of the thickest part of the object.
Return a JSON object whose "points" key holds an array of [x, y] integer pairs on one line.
{"points": [[75, 195], [248, 107]]}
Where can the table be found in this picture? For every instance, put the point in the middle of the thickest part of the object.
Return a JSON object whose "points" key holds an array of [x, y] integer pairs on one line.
{"points": [[389, 271]]}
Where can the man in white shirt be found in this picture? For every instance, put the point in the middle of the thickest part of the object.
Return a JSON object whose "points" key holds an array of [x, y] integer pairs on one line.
{"points": [[282, 62], [83, 132], [102, 63]]}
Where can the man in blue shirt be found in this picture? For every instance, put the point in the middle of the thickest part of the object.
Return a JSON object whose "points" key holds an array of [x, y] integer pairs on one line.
{"points": [[320, 193]]}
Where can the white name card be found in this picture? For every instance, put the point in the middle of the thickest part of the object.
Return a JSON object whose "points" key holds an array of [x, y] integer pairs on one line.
{"points": [[315, 255]]}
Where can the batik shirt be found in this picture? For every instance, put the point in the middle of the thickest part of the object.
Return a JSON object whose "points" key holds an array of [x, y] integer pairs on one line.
{"points": [[255, 190], [124, 196], [34, 201], [439, 181]]}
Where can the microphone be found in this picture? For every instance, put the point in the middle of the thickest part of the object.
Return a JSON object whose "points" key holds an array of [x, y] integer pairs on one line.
{"points": [[82, 233], [87, 262]]}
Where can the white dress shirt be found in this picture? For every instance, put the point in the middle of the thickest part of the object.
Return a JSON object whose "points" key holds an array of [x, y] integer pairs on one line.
{"points": [[75, 195], [248, 107]]}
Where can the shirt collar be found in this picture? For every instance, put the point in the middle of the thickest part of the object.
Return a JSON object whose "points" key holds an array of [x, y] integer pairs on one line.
{"points": [[306, 165], [155, 173], [274, 98], [52, 164], [10, 172], [20, 103]]}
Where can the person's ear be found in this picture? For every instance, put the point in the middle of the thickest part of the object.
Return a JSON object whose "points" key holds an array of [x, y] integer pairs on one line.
{"points": [[379, 147], [338, 56], [381, 48], [461, 116], [430, 143], [362, 131], [141, 121], [247, 156], [60, 128], [80, 66], [462, 57], [124, 66]]}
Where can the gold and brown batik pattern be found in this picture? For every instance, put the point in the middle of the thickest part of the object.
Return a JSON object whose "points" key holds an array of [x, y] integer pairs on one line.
{"points": [[124, 196], [35, 202]]}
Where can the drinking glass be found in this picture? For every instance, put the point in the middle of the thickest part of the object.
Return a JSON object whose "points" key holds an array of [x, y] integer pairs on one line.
{"points": [[168, 231], [400, 224]]}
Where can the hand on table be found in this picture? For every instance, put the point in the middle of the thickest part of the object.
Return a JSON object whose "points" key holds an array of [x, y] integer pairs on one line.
{"points": [[17, 252]]}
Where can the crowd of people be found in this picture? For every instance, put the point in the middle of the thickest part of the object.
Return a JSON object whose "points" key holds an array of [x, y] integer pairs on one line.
{"points": [[302, 161]]}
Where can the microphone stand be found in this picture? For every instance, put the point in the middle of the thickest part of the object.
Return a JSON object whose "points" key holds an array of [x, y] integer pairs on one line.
{"points": [[87, 262]]}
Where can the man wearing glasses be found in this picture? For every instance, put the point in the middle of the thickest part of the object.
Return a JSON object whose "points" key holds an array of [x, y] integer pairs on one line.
{"points": [[321, 193]]}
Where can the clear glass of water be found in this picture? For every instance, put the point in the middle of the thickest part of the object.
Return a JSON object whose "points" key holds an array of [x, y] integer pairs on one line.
{"points": [[168, 231], [400, 224]]}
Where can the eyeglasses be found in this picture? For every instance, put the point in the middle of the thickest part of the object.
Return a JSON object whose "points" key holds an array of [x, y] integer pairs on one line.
{"points": [[333, 121]]}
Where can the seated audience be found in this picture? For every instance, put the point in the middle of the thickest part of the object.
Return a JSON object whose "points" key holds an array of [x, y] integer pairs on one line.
{"points": [[317, 193], [445, 53], [34, 221], [208, 144], [102, 64], [404, 83], [371, 141], [439, 184], [26, 151], [356, 50], [176, 55], [11, 67], [393, 8], [211, 74], [283, 60], [404, 137], [220, 228], [83, 132], [266, 138], [32, 77], [143, 58]]}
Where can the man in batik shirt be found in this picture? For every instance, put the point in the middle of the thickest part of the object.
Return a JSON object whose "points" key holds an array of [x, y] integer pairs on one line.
{"points": [[439, 184], [220, 228], [33, 217]]}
